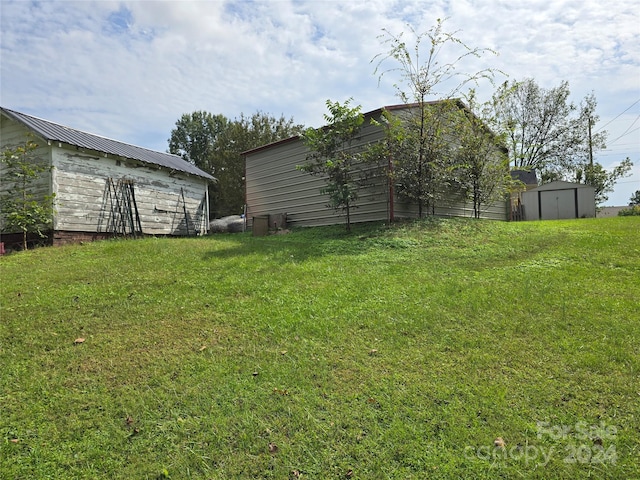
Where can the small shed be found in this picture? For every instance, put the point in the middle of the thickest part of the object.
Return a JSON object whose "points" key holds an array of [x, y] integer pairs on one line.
{"points": [[104, 187], [559, 200]]}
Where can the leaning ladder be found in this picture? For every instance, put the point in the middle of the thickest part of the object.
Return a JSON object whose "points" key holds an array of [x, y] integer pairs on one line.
{"points": [[125, 217]]}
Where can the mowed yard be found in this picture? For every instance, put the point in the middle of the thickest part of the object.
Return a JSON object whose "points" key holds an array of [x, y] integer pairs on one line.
{"points": [[446, 348]]}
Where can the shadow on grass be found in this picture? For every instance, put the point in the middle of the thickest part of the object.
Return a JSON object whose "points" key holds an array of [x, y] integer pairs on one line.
{"points": [[306, 243]]}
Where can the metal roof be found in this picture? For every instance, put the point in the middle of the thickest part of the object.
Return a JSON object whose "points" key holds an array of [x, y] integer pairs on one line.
{"points": [[59, 133]]}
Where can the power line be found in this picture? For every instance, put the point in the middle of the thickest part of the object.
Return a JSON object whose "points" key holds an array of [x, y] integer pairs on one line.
{"points": [[627, 132], [610, 121]]}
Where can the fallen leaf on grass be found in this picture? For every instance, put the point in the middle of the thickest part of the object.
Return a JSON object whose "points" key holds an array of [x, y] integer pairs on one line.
{"points": [[202, 348], [78, 340], [14, 440], [373, 351], [499, 442], [273, 448]]}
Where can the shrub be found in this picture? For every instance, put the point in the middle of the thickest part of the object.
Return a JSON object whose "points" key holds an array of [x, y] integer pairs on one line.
{"points": [[630, 212]]}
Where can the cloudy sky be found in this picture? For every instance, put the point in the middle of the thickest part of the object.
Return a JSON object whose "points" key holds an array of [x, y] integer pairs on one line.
{"points": [[128, 70]]}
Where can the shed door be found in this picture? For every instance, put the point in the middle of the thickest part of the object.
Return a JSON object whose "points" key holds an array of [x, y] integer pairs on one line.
{"points": [[555, 204]]}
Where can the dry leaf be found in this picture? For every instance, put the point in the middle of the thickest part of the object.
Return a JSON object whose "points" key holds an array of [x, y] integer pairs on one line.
{"points": [[349, 473], [129, 420], [14, 440], [255, 374], [499, 442], [273, 448], [78, 340], [204, 347], [373, 351], [283, 352]]}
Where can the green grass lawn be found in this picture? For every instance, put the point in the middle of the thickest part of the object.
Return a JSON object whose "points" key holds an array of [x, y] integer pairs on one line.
{"points": [[401, 352]]}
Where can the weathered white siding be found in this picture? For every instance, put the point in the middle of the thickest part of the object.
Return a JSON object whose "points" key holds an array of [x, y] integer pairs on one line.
{"points": [[275, 186], [84, 203]]}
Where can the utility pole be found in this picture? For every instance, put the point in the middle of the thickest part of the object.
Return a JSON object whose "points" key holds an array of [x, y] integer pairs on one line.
{"points": [[590, 145]]}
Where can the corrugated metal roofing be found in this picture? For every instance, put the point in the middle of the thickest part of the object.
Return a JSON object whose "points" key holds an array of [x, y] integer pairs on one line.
{"points": [[59, 133]]}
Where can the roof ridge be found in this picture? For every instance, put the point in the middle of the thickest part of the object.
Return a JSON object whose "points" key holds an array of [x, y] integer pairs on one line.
{"points": [[56, 132], [87, 133]]}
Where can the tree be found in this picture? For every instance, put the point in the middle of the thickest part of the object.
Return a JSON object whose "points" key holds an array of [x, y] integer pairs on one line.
{"points": [[422, 168], [635, 199], [333, 156], [544, 130], [422, 172], [215, 144], [482, 164], [21, 207], [603, 181]]}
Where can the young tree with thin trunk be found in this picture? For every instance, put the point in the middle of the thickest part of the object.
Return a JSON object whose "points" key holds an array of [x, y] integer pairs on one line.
{"points": [[333, 156], [482, 163], [21, 209], [428, 71]]}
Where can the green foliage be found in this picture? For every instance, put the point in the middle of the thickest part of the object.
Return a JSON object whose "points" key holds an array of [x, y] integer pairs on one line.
{"points": [[472, 330], [482, 164], [333, 155], [635, 199], [544, 130], [423, 160], [22, 210], [632, 211], [603, 181], [424, 171], [421, 69], [215, 144]]}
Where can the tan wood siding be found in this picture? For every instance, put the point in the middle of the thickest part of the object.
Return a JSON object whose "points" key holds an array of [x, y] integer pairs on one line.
{"points": [[274, 186]]}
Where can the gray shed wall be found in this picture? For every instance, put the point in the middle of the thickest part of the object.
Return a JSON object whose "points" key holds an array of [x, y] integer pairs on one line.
{"points": [[564, 201]]}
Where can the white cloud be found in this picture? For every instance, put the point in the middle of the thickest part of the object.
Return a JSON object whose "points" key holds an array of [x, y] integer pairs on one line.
{"points": [[130, 69]]}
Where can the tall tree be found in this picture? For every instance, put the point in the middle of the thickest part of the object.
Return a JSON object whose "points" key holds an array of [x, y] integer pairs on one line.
{"points": [[545, 130], [603, 180], [215, 144], [22, 208], [333, 156], [427, 73], [635, 199], [482, 163]]}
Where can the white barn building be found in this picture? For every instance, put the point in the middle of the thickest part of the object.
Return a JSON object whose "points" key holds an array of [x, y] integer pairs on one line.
{"points": [[106, 188]]}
